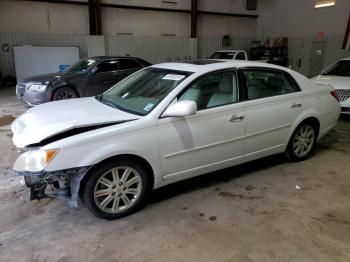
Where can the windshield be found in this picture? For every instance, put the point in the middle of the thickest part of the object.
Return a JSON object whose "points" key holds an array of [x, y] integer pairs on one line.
{"points": [[341, 68], [81, 66], [223, 55], [142, 91]]}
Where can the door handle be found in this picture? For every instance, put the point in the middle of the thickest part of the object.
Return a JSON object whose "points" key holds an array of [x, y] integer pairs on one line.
{"points": [[236, 118], [296, 105]]}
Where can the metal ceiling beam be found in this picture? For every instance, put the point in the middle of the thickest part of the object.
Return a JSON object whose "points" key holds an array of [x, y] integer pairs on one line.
{"points": [[146, 8]]}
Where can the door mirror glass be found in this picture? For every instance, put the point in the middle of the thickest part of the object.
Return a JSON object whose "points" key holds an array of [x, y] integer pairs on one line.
{"points": [[94, 70], [182, 108]]}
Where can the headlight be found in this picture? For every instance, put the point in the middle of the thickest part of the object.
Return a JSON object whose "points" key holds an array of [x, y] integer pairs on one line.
{"points": [[34, 161], [37, 88]]}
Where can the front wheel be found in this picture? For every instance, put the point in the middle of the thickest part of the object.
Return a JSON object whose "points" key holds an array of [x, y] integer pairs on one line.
{"points": [[117, 189], [65, 92], [302, 142]]}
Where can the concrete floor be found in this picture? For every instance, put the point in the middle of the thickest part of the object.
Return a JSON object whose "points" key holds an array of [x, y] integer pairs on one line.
{"points": [[266, 210]]}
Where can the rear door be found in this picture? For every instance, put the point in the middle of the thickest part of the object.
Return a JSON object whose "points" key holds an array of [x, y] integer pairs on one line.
{"points": [[272, 105], [127, 66]]}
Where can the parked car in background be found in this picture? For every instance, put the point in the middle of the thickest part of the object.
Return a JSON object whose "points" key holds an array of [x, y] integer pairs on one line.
{"points": [[88, 77], [230, 54], [338, 76], [166, 123]]}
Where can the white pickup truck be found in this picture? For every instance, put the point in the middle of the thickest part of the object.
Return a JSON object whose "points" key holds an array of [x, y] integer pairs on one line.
{"points": [[230, 54]]}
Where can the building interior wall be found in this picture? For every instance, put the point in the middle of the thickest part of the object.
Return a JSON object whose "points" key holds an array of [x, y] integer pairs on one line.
{"points": [[58, 24]]}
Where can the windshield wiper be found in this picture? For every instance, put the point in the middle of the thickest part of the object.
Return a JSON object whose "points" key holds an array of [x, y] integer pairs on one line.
{"points": [[101, 99]]}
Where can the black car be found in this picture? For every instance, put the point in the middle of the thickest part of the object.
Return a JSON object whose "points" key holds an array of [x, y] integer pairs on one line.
{"points": [[88, 77]]}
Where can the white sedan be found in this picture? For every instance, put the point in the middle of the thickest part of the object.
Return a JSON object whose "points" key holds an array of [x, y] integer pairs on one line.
{"points": [[166, 123], [338, 75]]}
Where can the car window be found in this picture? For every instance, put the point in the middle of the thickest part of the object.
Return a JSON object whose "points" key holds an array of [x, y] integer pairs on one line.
{"points": [[240, 56], [341, 68], [128, 64], [266, 83], [81, 66], [212, 90], [222, 55], [290, 84], [108, 66], [141, 92]]}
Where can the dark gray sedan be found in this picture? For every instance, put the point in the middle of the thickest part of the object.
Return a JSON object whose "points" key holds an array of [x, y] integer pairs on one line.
{"points": [[88, 77]]}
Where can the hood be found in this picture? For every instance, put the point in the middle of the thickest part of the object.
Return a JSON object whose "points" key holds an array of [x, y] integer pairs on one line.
{"points": [[43, 78], [44, 121], [338, 82]]}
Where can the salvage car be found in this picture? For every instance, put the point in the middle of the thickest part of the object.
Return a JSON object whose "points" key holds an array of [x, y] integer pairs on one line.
{"points": [[88, 77], [166, 123], [338, 75]]}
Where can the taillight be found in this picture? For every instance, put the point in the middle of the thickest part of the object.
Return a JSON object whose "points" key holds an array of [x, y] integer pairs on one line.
{"points": [[335, 95]]}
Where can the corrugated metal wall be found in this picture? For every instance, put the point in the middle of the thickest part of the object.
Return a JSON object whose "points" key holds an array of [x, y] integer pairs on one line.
{"points": [[95, 45], [299, 51], [160, 49], [300, 48], [334, 51], [15, 39], [152, 49], [207, 46]]}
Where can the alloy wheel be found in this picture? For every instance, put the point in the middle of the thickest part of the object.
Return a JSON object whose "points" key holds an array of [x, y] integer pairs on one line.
{"points": [[65, 94], [303, 140], [117, 189]]}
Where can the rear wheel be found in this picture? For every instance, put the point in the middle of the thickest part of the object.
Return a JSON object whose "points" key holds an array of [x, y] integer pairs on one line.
{"points": [[117, 189], [65, 92], [302, 142]]}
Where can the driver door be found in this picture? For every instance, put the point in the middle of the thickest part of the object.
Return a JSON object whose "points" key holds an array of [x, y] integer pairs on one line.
{"points": [[211, 139]]}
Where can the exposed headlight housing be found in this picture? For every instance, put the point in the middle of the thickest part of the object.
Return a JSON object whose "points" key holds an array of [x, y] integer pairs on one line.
{"points": [[34, 160], [37, 87]]}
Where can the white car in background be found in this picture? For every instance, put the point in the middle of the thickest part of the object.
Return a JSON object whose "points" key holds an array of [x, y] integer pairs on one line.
{"points": [[338, 76], [230, 54], [166, 123]]}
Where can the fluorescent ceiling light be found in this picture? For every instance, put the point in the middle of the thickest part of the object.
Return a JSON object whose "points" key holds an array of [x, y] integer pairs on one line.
{"points": [[326, 4]]}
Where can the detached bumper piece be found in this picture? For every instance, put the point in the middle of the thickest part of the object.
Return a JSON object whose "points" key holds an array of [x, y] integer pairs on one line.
{"points": [[63, 184]]}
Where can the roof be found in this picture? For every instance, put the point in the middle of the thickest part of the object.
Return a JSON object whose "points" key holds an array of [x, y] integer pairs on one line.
{"points": [[219, 64], [110, 57], [229, 51], [345, 58]]}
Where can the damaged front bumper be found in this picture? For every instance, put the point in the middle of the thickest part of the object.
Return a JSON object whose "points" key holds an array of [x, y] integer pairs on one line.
{"points": [[58, 184]]}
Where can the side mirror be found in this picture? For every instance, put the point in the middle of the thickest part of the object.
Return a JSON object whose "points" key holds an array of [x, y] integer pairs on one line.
{"points": [[182, 108], [94, 70]]}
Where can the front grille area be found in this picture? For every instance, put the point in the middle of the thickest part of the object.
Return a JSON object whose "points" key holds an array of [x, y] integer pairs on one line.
{"points": [[343, 94]]}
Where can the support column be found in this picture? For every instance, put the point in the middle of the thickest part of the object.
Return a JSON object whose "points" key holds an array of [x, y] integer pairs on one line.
{"points": [[194, 5], [95, 17], [98, 17]]}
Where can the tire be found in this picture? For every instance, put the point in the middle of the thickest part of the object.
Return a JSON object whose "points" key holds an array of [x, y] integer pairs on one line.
{"points": [[107, 194], [64, 92], [302, 142]]}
